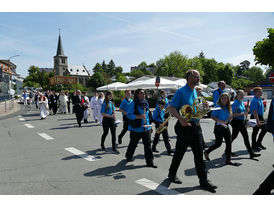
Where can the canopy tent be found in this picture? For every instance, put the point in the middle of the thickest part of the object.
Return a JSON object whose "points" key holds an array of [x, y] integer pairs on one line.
{"points": [[150, 84], [180, 82], [113, 86]]}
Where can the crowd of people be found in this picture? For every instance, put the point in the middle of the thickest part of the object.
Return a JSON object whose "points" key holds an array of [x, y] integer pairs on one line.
{"points": [[138, 120]]}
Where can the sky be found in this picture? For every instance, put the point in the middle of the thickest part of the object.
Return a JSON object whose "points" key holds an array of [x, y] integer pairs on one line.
{"points": [[128, 38]]}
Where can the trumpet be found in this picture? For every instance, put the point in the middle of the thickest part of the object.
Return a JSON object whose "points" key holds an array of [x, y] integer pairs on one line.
{"points": [[197, 111]]}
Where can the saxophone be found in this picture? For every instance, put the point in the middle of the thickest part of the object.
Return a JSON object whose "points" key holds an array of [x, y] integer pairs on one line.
{"points": [[159, 130]]}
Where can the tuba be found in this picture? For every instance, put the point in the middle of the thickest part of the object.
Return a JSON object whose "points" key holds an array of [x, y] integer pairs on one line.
{"points": [[197, 111]]}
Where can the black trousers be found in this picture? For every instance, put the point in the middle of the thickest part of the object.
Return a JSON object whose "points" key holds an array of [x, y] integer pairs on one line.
{"points": [[267, 185], [220, 133], [189, 136], [108, 123], [54, 108], [134, 139], [256, 131], [239, 126], [79, 113], [68, 105], [125, 127], [165, 137]]}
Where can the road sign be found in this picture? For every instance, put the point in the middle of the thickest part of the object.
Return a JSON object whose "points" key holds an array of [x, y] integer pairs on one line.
{"points": [[157, 81], [271, 77], [157, 84]]}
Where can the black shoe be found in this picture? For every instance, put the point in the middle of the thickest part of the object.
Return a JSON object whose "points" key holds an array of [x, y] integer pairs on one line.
{"points": [[85, 121], [119, 140], [206, 156], [79, 125], [252, 155], [174, 179], [254, 147], [155, 150], [129, 160], [261, 146], [205, 146], [233, 154], [103, 148], [152, 165], [209, 187], [115, 151]]}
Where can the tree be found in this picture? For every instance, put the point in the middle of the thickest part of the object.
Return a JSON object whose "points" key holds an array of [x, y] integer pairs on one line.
{"points": [[118, 70], [244, 66], [121, 78], [240, 83], [97, 68], [175, 64], [196, 63], [142, 66], [210, 70], [110, 68], [264, 50], [254, 74], [137, 73], [201, 55], [104, 66], [96, 80], [226, 74]]}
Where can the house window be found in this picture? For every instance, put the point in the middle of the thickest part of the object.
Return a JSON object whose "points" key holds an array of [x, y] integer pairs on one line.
{"points": [[83, 70], [77, 70], [63, 61], [71, 70]]}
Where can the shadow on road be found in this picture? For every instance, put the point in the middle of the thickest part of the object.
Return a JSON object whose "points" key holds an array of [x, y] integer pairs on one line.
{"points": [[114, 171]]}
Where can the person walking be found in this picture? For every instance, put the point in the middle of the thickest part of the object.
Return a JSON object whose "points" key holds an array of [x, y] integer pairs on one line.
{"points": [[238, 121], [108, 113], [219, 91], [78, 104], [43, 105], [159, 119], [93, 106], [139, 120], [86, 106], [63, 99], [188, 133], [123, 108], [99, 106], [54, 101], [257, 112], [68, 101], [221, 129]]}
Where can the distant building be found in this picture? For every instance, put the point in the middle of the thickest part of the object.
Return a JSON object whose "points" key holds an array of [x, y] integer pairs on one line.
{"points": [[61, 67]]}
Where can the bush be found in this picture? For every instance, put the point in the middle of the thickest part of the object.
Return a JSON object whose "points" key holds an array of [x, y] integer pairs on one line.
{"points": [[208, 98]]}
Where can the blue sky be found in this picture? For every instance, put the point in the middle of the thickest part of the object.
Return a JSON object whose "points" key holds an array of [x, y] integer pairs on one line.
{"points": [[129, 37]]}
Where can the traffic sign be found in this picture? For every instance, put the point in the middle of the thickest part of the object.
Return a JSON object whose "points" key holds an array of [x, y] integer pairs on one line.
{"points": [[157, 84], [271, 77]]}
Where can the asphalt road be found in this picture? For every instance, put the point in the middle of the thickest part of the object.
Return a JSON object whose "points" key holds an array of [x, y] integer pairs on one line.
{"points": [[55, 157]]}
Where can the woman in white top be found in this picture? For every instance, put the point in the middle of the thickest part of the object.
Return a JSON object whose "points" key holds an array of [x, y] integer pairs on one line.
{"points": [[63, 99], [43, 105], [93, 106], [99, 105]]}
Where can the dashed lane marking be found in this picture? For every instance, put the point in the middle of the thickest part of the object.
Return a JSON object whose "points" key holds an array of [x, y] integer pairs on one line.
{"points": [[22, 119], [29, 126], [81, 154], [45, 136], [156, 187]]}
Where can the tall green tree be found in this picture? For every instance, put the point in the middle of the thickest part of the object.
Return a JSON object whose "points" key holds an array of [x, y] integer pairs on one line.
{"points": [[225, 73], [121, 78], [104, 66], [210, 70], [137, 73], [97, 80], [118, 70], [110, 68], [264, 50], [254, 74], [142, 66], [97, 68]]}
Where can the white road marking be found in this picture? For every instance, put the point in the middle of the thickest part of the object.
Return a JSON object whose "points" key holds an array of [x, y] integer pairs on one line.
{"points": [[45, 136], [81, 154], [21, 119], [20, 116], [156, 187], [29, 126]]}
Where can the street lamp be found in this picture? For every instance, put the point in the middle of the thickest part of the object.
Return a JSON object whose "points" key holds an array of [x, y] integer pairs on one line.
{"points": [[14, 56]]}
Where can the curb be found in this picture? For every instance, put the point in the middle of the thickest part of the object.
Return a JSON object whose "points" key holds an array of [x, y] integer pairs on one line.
{"points": [[15, 108]]}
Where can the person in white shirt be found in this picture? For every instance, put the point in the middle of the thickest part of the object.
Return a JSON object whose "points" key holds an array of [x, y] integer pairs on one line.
{"points": [[43, 105], [86, 105], [63, 103], [93, 106], [99, 105]]}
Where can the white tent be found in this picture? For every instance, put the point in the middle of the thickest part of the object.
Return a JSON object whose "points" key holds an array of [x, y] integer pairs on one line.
{"points": [[113, 86], [150, 84], [180, 82]]}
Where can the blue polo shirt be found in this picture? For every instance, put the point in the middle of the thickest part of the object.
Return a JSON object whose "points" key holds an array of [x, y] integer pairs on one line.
{"points": [[257, 104], [158, 115], [184, 95], [240, 108], [125, 104], [221, 114], [132, 116], [110, 109], [166, 101], [216, 95]]}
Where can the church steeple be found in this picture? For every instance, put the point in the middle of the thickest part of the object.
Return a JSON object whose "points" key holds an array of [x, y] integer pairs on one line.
{"points": [[60, 60], [60, 50]]}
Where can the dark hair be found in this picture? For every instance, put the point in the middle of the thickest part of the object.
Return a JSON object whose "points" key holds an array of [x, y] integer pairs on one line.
{"points": [[162, 102], [107, 100], [190, 72], [162, 91], [228, 104], [137, 91]]}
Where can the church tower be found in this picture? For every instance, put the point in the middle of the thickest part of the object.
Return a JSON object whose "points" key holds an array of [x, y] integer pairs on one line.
{"points": [[60, 60]]}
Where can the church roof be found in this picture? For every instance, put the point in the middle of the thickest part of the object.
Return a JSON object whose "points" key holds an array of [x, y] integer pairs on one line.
{"points": [[78, 70], [60, 50]]}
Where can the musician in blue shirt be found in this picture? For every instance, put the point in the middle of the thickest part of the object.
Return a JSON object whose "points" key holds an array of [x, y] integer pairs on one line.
{"points": [[158, 117], [219, 91], [257, 112], [238, 121], [108, 113], [163, 97], [221, 129], [123, 108], [188, 133], [139, 120]]}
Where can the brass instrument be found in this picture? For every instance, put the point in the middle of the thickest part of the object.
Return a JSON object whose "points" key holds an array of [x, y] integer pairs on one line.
{"points": [[197, 111], [159, 130]]}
